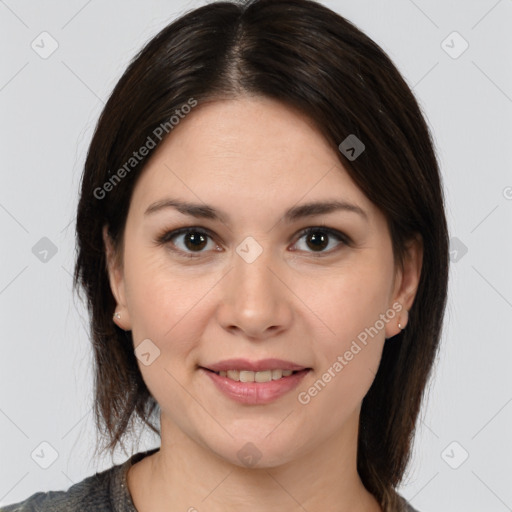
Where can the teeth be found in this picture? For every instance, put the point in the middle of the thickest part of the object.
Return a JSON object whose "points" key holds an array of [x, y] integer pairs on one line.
{"points": [[248, 376], [265, 376], [277, 374]]}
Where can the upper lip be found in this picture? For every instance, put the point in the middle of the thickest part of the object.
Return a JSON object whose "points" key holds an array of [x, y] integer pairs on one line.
{"points": [[255, 366]]}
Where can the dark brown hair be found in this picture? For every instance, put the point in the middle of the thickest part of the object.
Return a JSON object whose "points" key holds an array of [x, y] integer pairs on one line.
{"points": [[304, 55]]}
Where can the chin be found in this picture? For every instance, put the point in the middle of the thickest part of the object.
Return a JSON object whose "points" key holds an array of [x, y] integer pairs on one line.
{"points": [[253, 453]]}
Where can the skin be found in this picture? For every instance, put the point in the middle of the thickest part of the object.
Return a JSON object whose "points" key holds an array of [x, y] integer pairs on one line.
{"points": [[253, 158]]}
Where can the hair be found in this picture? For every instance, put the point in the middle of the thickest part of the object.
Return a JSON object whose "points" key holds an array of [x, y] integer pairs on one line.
{"points": [[306, 56]]}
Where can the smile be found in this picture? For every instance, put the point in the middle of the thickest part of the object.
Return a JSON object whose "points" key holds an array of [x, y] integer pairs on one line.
{"points": [[250, 376], [255, 388]]}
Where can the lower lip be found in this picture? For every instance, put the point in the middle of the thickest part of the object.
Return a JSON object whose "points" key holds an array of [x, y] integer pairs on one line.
{"points": [[256, 393]]}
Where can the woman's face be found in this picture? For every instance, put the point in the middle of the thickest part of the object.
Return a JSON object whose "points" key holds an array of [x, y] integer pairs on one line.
{"points": [[243, 281]]}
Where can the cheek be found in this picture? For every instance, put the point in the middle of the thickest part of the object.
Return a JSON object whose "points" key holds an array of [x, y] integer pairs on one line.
{"points": [[159, 296], [171, 306], [349, 300], [350, 336], [165, 307]]}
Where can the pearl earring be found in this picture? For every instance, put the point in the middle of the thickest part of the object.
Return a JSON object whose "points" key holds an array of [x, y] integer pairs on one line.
{"points": [[117, 315]]}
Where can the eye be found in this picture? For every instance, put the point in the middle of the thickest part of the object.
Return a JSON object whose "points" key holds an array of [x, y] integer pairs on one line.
{"points": [[188, 240], [319, 238]]}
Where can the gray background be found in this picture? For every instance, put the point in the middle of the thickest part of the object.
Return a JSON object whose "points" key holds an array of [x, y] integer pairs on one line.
{"points": [[49, 108]]}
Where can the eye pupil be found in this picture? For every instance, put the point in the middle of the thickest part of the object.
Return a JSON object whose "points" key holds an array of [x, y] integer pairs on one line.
{"points": [[320, 240], [198, 240]]}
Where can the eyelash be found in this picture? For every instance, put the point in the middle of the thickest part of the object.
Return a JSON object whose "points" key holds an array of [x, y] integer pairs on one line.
{"points": [[167, 236]]}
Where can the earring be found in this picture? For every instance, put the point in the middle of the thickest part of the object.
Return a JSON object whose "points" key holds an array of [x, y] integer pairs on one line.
{"points": [[406, 313], [116, 315]]}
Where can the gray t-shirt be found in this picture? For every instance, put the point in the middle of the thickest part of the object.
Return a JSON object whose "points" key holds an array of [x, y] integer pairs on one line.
{"points": [[103, 492]]}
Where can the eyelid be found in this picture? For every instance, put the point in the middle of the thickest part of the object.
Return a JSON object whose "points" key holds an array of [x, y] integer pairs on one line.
{"points": [[168, 235], [342, 237]]}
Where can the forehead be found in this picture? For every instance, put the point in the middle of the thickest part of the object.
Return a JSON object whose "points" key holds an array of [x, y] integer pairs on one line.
{"points": [[254, 152]]}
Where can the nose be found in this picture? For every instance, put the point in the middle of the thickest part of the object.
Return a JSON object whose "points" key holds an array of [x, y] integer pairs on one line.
{"points": [[255, 300]]}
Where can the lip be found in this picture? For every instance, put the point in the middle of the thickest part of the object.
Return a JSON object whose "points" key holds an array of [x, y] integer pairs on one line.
{"points": [[256, 393], [254, 366]]}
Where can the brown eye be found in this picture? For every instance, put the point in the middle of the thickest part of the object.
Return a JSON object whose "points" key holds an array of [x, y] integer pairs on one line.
{"points": [[195, 240], [187, 241], [318, 239]]}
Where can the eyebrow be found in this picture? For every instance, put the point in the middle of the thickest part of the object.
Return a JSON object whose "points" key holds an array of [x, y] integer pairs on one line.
{"points": [[205, 211]]}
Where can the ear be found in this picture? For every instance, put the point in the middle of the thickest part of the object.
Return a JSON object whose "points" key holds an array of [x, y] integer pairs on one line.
{"points": [[117, 285], [406, 285]]}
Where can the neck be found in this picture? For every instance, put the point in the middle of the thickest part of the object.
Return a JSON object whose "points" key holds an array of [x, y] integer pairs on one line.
{"points": [[184, 475]]}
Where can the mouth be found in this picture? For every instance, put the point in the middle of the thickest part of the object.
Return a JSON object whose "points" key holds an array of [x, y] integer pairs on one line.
{"points": [[251, 382], [263, 370], [250, 387], [258, 376]]}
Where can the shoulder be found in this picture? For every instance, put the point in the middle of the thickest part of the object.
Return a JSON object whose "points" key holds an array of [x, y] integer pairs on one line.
{"points": [[102, 492], [92, 493]]}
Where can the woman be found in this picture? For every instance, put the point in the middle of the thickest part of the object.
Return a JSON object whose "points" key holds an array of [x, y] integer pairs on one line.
{"points": [[263, 247]]}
